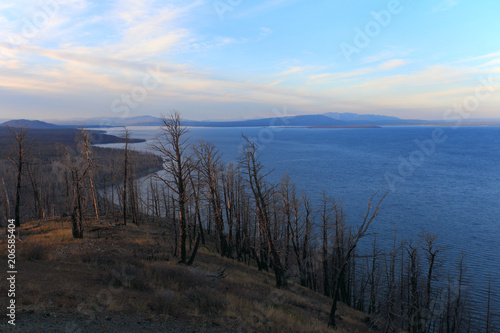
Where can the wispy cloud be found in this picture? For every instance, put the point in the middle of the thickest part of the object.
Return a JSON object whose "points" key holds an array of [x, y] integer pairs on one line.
{"points": [[359, 72], [387, 54], [444, 6], [261, 7], [293, 70]]}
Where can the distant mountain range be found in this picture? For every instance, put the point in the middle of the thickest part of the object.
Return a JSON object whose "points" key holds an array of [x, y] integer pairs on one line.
{"points": [[331, 119], [319, 120]]}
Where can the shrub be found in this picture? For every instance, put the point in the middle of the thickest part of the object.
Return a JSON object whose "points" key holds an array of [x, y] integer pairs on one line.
{"points": [[165, 301], [176, 277], [129, 276], [35, 251], [207, 300]]}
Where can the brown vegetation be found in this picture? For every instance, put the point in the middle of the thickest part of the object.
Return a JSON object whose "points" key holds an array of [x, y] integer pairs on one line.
{"points": [[113, 272]]}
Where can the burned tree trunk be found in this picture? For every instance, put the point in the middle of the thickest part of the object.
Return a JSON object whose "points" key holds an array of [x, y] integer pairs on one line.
{"points": [[339, 275], [126, 136], [19, 136], [88, 157], [172, 145], [262, 193]]}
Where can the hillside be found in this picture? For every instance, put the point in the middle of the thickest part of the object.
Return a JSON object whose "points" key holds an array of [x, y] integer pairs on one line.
{"points": [[124, 279]]}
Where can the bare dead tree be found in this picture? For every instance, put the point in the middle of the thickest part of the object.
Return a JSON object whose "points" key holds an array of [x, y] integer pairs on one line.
{"points": [[306, 256], [7, 201], [458, 306], [126, 136], [78, 173], [390, 303], [431, 251], [88, 157], [325, 221], [340, 241], [262, 193], [362, 232], [172, 145], [32, 171], [19, 136], [133, 192], [209, 165], [286, 187], [236, 208], [414, 307]]}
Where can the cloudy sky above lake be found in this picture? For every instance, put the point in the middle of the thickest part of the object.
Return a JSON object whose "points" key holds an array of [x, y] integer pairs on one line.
{"points": [[233, 59]]}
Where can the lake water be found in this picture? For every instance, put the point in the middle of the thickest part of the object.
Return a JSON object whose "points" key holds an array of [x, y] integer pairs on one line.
{"points": [[450, 187]]}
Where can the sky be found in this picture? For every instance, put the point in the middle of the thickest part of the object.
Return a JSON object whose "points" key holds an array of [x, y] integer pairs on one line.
{"points": [[239, 59]]}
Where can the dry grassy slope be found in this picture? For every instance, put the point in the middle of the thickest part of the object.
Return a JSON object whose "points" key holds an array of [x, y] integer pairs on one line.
{"points": [[123, 272]]}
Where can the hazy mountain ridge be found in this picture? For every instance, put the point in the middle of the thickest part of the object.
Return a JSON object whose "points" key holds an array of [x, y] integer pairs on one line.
{"points": [[34, 124], [329, 119], [372, 119]]}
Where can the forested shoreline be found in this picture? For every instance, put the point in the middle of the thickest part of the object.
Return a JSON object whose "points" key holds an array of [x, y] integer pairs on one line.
{"points": [[50, 159]]}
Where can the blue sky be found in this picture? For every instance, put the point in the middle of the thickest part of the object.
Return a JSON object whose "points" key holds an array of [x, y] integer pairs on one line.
{"points": [[233, 59]]}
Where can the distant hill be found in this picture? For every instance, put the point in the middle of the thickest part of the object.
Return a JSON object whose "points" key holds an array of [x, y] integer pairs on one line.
{"points": [[32, 124], [104, 122], [300, 121], [371, 119], [330, 119]]}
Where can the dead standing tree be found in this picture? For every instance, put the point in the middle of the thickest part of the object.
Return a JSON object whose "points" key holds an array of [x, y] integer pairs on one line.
{"points": [[339, 274], [78, 174], [88, 157], [34, 170], [172, 145], [19, 135], [262, 194], [126, 137], [209, 165], [7, 201]]}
